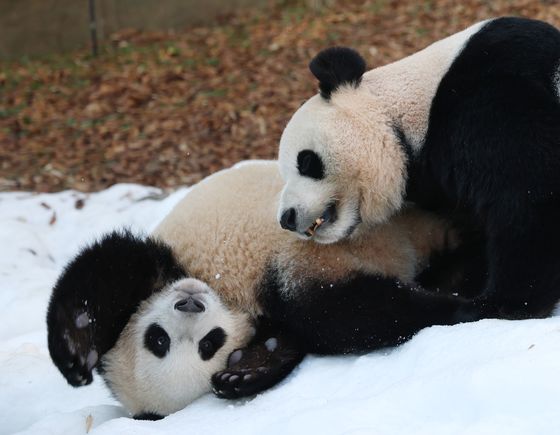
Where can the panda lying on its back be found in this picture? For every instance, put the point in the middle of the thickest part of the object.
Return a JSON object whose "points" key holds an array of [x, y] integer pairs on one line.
{"points": [[132, 308], [470, 124]]}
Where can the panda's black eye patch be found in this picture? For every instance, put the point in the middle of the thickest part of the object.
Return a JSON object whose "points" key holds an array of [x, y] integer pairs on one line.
{"points": [[211, 343], [156, 340], [310, 164]]}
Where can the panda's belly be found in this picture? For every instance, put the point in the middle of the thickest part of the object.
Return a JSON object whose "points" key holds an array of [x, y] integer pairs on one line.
{"points": [[231, 264], [224, 231]]}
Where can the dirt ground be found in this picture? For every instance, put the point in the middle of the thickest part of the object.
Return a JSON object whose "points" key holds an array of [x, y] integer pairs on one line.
{"points": [[167, 109]]}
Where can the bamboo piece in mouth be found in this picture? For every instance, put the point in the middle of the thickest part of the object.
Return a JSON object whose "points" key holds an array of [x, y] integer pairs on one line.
{"points": [[311, 230]]}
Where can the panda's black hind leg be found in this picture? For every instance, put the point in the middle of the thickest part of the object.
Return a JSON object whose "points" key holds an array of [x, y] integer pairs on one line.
{"points": [[267, 360]]}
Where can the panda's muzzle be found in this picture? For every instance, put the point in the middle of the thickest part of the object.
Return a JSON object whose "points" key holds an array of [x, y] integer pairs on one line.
{"points": [[292, 220], [190, 305]]}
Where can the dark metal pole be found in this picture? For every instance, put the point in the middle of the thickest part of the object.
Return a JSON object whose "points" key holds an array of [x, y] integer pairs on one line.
{"points": [[93, 28]]}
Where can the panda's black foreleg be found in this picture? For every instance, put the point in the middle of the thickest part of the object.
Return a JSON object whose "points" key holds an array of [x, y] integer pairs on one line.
{"points": [[270, 356], [359, 314], [460, 271], [524, 280]]}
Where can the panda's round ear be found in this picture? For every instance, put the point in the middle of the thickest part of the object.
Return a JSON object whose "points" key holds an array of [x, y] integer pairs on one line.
{"points": [[337, 66]]}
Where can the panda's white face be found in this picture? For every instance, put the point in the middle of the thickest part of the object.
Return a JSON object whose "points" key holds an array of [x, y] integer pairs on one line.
{"points": [[343, 167], [166, 355]]}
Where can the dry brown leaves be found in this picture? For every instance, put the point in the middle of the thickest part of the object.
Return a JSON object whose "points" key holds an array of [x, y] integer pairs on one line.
{"points": [[167, 109]]}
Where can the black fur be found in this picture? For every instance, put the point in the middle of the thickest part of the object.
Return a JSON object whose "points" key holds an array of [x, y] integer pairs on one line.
{"points": [[362, 313], [157, 340], [107, 281], [404, 143], [148, 416], [310, 165], [211, 343], [462, 272], [493, 149], [337, 66]]}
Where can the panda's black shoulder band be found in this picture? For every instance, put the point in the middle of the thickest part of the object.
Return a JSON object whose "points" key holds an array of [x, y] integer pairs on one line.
{"points": [[337, 66]]}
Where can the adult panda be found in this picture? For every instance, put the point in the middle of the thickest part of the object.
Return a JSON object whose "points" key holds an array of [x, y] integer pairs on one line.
{"points": [[470, 124], [158, 316]]}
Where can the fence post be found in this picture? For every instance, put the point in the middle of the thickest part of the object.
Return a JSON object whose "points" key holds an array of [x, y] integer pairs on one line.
{"points": [[93, 28]]}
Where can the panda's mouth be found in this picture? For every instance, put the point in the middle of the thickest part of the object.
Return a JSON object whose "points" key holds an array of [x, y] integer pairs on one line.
{"points": [[328, 216]]}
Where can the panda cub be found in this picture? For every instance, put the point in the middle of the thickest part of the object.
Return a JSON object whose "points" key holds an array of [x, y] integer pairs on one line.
{"points": [[470, 125], [220, 296]]}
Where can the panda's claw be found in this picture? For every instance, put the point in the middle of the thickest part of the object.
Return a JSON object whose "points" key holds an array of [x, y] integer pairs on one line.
{"points": [[235, 357], [259, 366]]}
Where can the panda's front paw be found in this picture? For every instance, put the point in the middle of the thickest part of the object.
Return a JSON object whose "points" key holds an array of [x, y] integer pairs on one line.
{"points": [[71, 345], [233, 384], [256, 368]]}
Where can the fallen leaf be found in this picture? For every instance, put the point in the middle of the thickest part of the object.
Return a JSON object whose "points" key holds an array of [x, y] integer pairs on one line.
{"points": [[89, 422], [79, 204]]}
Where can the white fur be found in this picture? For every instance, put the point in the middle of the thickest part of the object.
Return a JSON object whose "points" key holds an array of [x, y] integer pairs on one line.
{"points": [[311, 128], [407, 87]]}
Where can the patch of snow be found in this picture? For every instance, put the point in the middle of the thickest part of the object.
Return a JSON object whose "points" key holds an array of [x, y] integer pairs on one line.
{"points": [[487, 377]]}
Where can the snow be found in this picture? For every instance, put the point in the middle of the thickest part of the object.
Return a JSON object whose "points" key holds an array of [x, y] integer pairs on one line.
{"points": [[487, 377]]}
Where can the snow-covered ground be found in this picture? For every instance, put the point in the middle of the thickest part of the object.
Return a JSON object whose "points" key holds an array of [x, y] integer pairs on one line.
{"points": [[489, 377]]}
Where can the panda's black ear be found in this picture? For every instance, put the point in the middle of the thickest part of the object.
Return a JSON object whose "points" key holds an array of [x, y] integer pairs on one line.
{"points": [[336, 66], [148, 416]]}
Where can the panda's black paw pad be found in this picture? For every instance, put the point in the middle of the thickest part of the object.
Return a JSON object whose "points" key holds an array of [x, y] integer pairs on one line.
{"points": [[243, 380], [254, 369], [72, 348], [233, 384]]}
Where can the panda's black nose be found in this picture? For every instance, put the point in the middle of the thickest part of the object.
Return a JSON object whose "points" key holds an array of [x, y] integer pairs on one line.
{"points": [[288, 219], [190, 305]]}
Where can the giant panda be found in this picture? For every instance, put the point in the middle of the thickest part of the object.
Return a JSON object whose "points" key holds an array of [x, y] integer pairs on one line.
{"points": [[161, 317], [470, 124]]}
